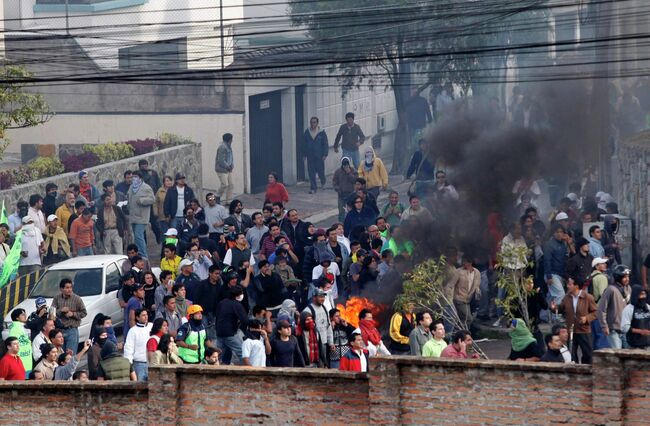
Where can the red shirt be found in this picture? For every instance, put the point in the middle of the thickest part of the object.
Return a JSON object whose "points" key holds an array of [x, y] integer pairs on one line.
{"points": [[11, 368], [277, 193], [451, 352]]}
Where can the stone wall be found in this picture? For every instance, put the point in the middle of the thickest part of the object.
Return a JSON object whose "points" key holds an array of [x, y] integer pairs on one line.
{"points": [[632, 187], [397, 390], [182, 158]]}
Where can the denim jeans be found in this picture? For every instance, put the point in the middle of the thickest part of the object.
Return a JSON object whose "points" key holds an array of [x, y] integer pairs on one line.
{"points": [[141, 369], [556, 289], [614, 339], [71, 339], [315, 166], [139, 230], [484, 304], [85, 251], [353, 156], [229, 345]]}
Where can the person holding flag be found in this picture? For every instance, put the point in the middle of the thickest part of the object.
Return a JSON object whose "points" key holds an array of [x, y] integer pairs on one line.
{"points": [[31, 247]]}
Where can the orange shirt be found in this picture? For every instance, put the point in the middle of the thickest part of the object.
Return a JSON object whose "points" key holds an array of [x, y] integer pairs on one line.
{"points": [[82, 234]]}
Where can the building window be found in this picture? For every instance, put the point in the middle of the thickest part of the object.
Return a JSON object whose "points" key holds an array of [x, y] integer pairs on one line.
{"points": [[84, 6], [165, 55]]}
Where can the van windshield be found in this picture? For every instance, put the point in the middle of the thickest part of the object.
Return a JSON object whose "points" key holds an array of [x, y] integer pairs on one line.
{"points": [[87, 282]]}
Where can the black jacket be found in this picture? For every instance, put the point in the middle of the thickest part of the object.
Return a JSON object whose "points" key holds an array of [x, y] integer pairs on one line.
{"points": [[171, 200], [207, 295], [552, 356], [270, 290], [297, 236], [230, 316]]}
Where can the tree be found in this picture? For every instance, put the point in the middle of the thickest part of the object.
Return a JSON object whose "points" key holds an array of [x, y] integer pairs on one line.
{"points": [[400, 44], [19, 108], [425, 288]]}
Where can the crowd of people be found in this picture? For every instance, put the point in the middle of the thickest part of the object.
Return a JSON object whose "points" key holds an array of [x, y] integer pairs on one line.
{"points": [[262, 289]]}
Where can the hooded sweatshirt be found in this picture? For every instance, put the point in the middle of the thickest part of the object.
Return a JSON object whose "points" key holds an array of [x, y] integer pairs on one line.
{"points": [[343, 181], [611, 305], [372, 169], [636, 315]]}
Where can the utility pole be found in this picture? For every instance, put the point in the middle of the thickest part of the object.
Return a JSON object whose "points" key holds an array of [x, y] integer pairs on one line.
{"points": [[221, 33], [67, 17]]}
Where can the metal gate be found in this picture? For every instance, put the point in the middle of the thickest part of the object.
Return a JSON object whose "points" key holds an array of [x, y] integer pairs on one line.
{"points": [[265, 138], [300, 130]]}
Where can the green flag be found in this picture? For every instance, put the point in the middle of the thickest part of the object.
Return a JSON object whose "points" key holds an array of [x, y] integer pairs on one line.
{"points": [[3, 214], [12, 261]]}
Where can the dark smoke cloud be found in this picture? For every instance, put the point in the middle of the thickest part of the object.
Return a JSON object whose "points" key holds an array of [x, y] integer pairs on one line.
{"points": [[484, 158]]}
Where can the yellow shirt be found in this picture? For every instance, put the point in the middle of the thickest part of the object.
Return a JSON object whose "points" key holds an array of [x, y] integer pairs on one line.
{"points": [[395, 325], [63, 213], [170, 265]]}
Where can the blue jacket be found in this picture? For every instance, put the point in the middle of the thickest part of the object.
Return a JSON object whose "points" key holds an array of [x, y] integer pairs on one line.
{"points": [[354, 218], [555, 257], [316, 148], [596, 248]]}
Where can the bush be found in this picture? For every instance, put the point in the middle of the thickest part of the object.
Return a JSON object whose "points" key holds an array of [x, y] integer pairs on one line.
{"points": [[111, 151], [78, 162], [6, 179], [44, 167], [144, 146], [168, 140]]}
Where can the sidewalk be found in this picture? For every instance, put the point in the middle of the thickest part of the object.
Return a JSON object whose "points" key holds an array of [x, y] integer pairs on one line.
{"points": [[321, 208]]}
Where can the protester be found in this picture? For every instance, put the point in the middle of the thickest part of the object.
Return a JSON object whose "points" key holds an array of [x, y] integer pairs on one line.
{"points": [[435, 346], [421, 334], [11, 367], [285, 351], [70, 310], [553, 349], [635, 322], [401, 325], [56, 247], [580, 310], [356, 359], [18, 330], [611, 306], [224, 165], [461, 341], [523, 345], [351, 137]]}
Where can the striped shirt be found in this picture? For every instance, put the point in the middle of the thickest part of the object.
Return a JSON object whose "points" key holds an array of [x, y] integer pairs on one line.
{"points": [[75, 304]]}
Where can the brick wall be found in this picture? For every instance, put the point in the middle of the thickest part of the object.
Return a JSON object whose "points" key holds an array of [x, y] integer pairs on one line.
{"points": [[227, 395], [478, 392], [397, 390], [61, 403]]}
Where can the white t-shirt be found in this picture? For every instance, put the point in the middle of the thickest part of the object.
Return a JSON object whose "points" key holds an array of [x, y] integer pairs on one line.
{"points": [[180, 201], [333, 269], [32, 239], [255, 351]]}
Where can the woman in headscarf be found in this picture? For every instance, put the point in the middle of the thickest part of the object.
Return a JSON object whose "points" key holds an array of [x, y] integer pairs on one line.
{"points": [[287, 312], [523, 345]]}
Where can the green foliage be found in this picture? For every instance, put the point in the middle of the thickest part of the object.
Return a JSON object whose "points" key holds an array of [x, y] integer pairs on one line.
{"points": [[518, 287], [44, 167], [111, 151], [169, 139], [425, 288], [19, 108]]}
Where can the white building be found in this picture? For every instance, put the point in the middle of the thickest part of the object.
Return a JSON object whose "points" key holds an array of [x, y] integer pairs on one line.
{"points": [[267, 116]]}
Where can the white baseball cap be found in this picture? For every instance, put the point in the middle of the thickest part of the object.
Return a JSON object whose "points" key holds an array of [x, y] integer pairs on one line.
{"points": [[597, 261], [184, 263], [171, 232], [52, 217], [561, 216]]}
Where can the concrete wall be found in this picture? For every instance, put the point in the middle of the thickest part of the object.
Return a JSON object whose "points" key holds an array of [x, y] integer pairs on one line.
{"points": [[631, 177], [99, 128], [397, 390], [184, 158]]}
